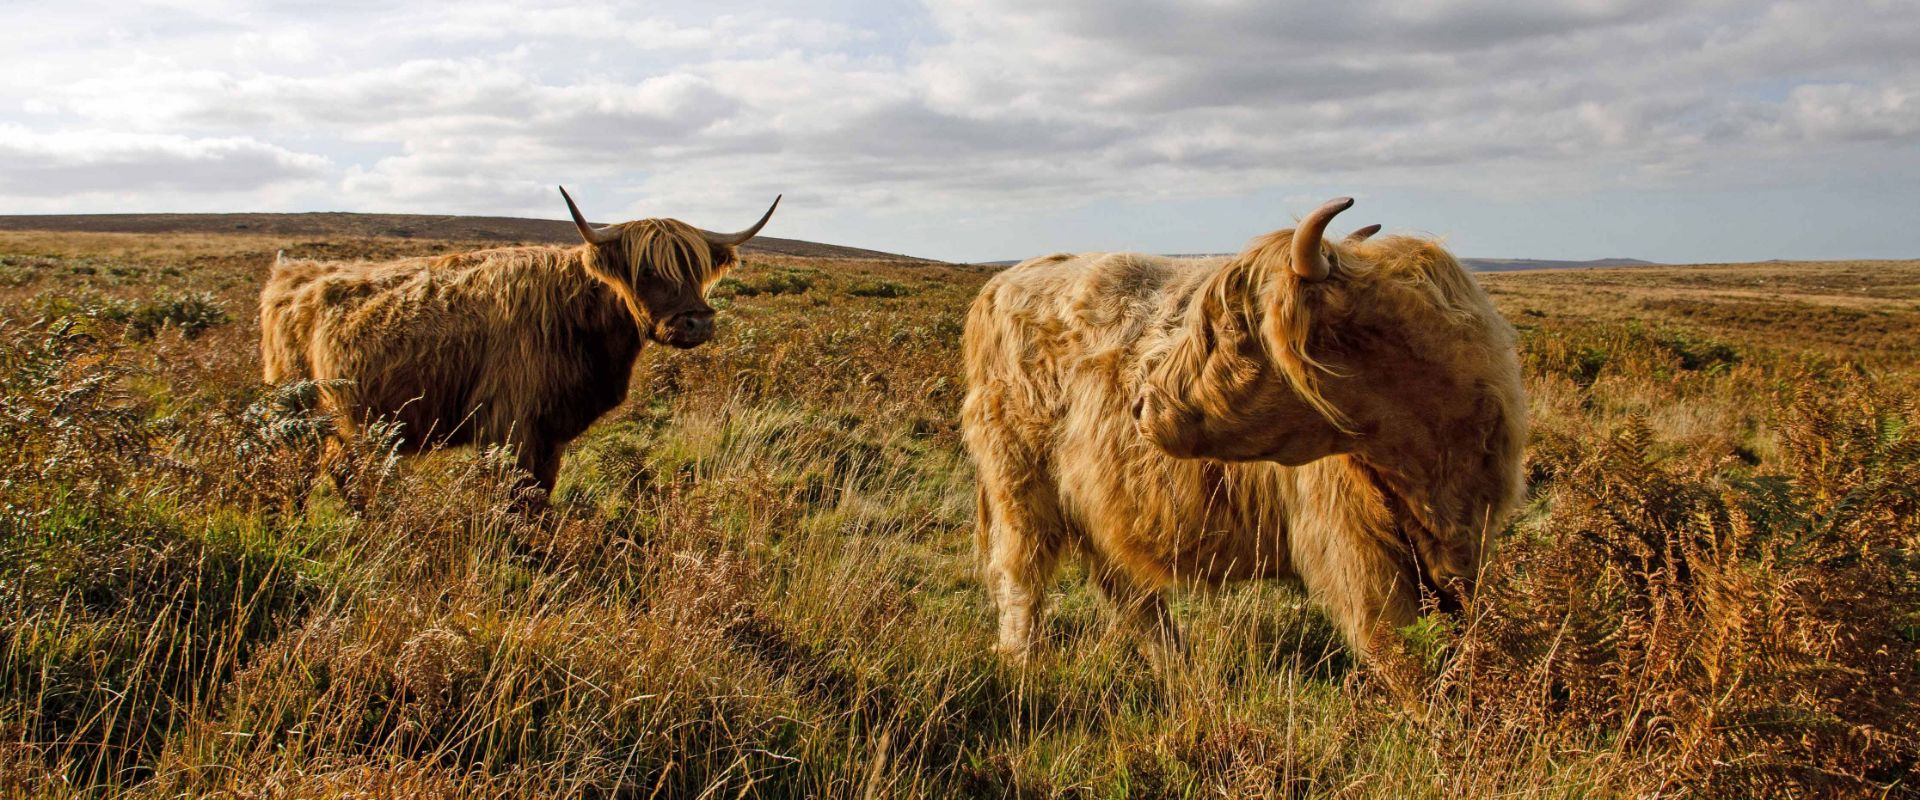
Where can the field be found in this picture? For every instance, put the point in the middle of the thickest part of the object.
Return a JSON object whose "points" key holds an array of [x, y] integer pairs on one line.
{"points": [[758, 577]]}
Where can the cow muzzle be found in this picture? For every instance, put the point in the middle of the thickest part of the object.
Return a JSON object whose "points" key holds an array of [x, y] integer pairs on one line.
{"points": [[685, 331], [1172, 430]]}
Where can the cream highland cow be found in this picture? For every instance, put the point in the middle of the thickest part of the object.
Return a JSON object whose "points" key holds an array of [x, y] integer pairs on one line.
{"points": [[1349, 414]]}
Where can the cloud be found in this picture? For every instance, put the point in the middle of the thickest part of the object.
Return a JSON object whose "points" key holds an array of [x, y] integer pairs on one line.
{"points": [[1854, 113], [33, 163], [997, 111], [1398, 85]]}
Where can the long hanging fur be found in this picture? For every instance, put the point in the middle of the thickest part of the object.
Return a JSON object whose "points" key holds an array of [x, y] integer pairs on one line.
{"points": [[523, 345], [1054, 349]]}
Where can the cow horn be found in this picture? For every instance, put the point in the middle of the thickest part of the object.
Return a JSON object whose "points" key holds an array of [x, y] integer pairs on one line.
{"points": [[592, 234], [1362, 234], [1309, 262], [740, 238]]}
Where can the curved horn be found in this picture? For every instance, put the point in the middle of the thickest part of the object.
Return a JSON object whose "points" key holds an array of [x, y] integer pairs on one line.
{"points": [[1362, 234], [740, 238], [592, 234], [1308, 261]]}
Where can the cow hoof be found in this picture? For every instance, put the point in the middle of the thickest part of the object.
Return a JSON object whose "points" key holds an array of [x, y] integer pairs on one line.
{"points": [[1165, 657], [1017, 656]]}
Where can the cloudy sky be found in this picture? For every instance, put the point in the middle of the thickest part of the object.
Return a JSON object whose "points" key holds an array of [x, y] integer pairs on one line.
{"points": [[1674, 130]]}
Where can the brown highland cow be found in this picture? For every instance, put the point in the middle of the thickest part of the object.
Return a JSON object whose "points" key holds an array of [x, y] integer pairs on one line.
{"points": [[524, 346], [1347, 414]]}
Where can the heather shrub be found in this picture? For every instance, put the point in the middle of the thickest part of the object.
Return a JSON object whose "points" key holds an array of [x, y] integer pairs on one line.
{"points": [[1748, 631]]}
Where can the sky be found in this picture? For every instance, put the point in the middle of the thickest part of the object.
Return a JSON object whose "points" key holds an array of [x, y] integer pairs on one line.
{"points": [[973, 130]]}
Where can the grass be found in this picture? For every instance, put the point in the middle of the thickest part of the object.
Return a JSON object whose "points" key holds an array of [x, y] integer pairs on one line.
{"points": [[759, 577]]}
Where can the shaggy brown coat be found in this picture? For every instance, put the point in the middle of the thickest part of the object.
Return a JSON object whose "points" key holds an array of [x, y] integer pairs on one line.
{"points": [[524, 346], [1199, 422]]}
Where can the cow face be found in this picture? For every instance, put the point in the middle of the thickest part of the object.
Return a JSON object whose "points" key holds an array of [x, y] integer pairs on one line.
{"points": [[1210, 390], [1385, 349], [661, 268], [678, 310]]}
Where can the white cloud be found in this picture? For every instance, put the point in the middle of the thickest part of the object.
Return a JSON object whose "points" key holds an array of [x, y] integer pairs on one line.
{"points": [[35, 163], [1854, 112]]}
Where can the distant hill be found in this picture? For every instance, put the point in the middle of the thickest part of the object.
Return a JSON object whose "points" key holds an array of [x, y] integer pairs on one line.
{"points": [[1475, 264], [1516, 264], [403, 226]]}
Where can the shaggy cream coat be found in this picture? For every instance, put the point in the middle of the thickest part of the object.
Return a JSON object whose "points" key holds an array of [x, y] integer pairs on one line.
{"points": [[1362, 434]]}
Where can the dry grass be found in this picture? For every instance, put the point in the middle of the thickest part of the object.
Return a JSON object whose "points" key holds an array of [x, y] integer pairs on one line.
{"points": [[1848, 309], [759, 579]]}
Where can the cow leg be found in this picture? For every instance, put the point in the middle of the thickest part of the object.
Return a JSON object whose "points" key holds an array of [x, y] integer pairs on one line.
{"points": [[1369, 587], [337, 463], [1139, 609], [1019, 539], [541, 462], [546, 469]]}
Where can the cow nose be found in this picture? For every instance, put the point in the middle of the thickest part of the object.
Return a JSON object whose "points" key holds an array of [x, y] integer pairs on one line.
{"points": [[693, 326]]}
